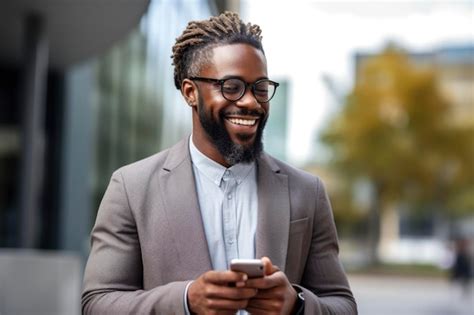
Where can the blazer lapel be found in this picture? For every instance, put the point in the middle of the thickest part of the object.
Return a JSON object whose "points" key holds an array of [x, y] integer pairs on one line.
{"points": [[273, 212], [178, 191]]}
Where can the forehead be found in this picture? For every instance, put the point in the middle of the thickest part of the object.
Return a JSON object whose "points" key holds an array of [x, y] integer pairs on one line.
{"points": [[241, 60]]}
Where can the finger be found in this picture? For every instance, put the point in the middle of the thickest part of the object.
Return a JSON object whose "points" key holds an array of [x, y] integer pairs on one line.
{"points": [[275, 269], [266, 294], [267, 282], [224, 277], [229, 293], [264, 307], [267, 266], [267, 305], [257, 283]]}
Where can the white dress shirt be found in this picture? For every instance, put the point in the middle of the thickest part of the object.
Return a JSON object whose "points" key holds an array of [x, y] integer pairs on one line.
{"points": [[229, 203]]}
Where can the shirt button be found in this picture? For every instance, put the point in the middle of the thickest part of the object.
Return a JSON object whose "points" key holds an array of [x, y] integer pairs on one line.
{"points": [[229, 196], [230, 242]]}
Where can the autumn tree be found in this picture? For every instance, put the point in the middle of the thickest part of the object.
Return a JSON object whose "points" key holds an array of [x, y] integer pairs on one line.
{"points": [[395, 130]]}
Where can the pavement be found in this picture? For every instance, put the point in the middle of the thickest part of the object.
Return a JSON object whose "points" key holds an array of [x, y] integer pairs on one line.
{"points": [[395, 295]]}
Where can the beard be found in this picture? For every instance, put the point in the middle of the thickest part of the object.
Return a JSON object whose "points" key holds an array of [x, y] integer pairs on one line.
{"points": [[232, 153]]}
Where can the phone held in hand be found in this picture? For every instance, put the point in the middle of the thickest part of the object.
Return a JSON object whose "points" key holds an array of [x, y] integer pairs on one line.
{"points": [[252, 267]]}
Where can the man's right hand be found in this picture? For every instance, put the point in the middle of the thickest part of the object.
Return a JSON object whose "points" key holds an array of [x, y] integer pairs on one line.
{"points": [[211, 293]]}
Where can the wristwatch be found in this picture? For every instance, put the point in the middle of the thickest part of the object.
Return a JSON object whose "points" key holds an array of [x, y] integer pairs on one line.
{"points": [[298, 309]]}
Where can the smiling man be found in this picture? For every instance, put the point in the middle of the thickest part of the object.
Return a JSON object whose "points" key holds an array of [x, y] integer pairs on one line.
{"points": [[230, 134], [169, 225]]}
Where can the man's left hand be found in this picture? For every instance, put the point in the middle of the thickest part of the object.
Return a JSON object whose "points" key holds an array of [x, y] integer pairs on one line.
{"points": [[275, 293]]}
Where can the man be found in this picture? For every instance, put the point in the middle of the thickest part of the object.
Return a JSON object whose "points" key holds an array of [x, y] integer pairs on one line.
{"points": [[169, 225]]}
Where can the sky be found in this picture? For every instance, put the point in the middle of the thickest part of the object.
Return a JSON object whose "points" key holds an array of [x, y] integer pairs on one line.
{"points": [[307, 41]]}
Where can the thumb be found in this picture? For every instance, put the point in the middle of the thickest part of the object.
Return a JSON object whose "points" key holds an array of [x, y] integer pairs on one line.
{"points": [[268, 267]]}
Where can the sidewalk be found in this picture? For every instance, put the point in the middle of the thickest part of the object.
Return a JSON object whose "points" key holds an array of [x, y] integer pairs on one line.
{"points": [[392, 295]]}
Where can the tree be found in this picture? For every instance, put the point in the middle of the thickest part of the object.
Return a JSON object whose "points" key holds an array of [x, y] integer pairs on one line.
{"points": [[395, 129]]}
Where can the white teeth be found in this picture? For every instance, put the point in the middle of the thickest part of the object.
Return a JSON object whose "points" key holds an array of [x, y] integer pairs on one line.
{"points": [[245, 122]]}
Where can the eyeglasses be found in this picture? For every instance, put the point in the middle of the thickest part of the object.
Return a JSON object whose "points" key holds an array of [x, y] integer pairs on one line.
{"points": [[233, 89]]}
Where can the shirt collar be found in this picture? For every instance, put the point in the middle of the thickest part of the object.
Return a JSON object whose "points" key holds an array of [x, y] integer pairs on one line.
{"points": [[213, 170]]}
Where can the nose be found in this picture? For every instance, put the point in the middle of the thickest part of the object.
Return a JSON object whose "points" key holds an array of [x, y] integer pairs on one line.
{"points": [[248, 100]]}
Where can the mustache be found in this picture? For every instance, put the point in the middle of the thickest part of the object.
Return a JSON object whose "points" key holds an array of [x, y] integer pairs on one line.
{"points": [[244, 112]]}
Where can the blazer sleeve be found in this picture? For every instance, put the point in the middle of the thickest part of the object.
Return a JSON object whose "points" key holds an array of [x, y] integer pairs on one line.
{"points": [[324, 283], [113, 276]]}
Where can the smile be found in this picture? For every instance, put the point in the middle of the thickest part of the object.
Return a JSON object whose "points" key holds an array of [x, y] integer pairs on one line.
{"points": [[243, 122]]}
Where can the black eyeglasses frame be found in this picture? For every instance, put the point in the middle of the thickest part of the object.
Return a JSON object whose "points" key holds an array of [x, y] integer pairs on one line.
{"points": [[246, 85]]}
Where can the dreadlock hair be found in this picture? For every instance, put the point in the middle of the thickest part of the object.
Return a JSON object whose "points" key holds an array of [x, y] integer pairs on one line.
{"points": [[192, 49]]}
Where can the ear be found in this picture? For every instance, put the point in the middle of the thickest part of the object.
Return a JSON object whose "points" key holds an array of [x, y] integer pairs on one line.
{"points": [[190, 92]]}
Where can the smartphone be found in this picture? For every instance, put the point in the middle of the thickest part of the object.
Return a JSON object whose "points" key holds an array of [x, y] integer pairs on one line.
{"points": [[252, 267]]}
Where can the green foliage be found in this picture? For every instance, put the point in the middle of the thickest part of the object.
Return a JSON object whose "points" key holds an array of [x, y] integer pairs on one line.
{"points": [[349, 217], [396, 129]]}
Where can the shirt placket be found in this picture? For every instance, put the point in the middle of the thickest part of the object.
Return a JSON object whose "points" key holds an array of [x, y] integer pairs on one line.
{"points": [[229, 217]]}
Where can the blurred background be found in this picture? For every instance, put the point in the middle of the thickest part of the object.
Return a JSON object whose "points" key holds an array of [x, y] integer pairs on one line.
{"points": [[376, 98]]}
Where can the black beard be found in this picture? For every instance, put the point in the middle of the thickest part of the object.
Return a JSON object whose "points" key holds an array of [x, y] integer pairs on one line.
{"points": [[233, 153]]}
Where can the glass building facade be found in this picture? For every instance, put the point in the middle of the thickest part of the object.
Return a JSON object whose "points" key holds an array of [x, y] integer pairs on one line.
{"points": [[100, 114]]}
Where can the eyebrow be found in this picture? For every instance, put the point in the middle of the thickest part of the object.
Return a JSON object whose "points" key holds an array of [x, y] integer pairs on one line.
{"points": [[241, 78]]}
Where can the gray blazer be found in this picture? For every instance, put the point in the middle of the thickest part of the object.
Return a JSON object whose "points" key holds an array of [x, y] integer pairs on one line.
{"points": [[148, 241]]}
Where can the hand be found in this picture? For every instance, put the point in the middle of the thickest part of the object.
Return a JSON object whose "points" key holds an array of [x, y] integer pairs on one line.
{"points": [[275, 293], [211, 293]]}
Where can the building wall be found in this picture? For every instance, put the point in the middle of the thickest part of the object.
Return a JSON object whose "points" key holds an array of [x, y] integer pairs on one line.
{"points": [[100, 114]]}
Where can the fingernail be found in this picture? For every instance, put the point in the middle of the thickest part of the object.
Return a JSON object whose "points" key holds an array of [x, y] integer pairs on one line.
{"points": [[240, 284], [245, 277]]}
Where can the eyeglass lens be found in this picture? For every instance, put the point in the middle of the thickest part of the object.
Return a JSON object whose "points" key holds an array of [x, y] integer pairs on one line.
{"points": [[233, 89]]}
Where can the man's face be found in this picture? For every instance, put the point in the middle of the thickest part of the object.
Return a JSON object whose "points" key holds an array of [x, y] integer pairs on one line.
{"points": [[233, 129]]}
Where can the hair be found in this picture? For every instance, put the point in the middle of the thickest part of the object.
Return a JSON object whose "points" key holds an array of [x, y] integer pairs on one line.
{"points": [[193, 48]]}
